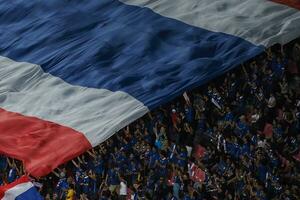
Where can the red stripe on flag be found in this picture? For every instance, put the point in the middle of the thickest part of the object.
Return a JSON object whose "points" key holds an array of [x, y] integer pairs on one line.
{"points": [[291, 3], [40, 144], [3, 189]]}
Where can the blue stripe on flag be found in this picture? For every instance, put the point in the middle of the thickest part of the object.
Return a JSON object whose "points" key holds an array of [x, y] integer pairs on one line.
{"points": [[107, 44], [31, 194]]}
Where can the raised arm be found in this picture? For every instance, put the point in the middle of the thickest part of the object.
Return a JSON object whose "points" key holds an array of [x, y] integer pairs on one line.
{"points": [[10, 164], [91, 154], [75, 164], [55, 173]]}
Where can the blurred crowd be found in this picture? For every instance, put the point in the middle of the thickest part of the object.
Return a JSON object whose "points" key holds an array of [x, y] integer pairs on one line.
{"points": [[235, 138]]}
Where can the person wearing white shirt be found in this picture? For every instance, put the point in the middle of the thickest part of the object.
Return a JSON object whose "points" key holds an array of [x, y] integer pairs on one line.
{"points": [[123, 189]]}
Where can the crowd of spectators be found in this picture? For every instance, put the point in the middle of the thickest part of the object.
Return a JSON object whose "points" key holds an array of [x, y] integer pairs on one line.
{"points": [[235, 138]]}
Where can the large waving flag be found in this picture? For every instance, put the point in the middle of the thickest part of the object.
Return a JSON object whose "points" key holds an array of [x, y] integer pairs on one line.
{"points": [[21, 189], [73, 73]]}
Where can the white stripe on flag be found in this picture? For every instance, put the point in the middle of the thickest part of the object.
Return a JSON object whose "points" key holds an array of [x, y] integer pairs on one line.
{"points": [[97, 113]]}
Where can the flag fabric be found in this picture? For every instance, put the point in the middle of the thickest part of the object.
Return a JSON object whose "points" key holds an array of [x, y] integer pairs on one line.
{"points": [[21, 189], [199, 152], [73, 73], [292, 3], [195, 173]]}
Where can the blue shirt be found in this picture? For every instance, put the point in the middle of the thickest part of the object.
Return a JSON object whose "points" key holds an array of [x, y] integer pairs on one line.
{"points": [[274, 161], [120, 159], [113, 178], [62, 185], [78, 175], [278, 132], [228, 117], [262, 171], [201, 125], [85, 187], [240, 185], [242, 129], [3, 163], [148, 138], [233, 149], [133, 141], [278, 67], [254, 140], [126, 146], [260, 195], [176, 189], [222, 167], [93, 186], [12, 175], [154, 156], [187, 197], [160, 117], [182, 160], [150, 182], [189, 114], [163, 162], [132, 167], [99, 166], [245, 149]]}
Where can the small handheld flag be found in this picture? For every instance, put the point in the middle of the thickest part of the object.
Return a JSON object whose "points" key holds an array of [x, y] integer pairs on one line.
{"points": [[21, 189]]}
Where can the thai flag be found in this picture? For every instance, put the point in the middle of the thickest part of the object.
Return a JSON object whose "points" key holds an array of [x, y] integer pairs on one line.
{"points": [[73, 73], [21, 189]]}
